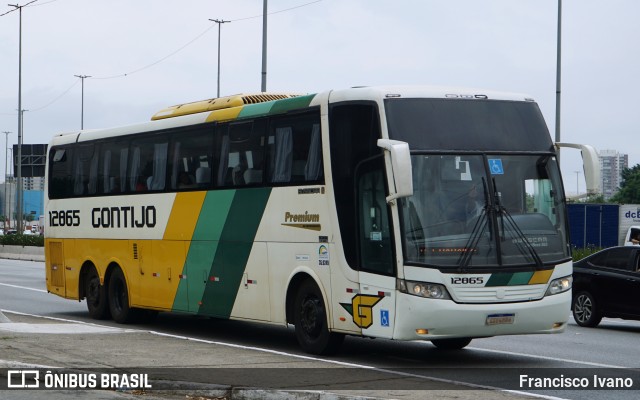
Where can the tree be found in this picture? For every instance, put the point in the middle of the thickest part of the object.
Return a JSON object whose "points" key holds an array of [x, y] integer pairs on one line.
{"points": [[595, 199], [629, 192]]}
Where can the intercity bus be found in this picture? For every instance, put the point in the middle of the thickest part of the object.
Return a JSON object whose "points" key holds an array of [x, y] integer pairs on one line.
{"points": [[406, 213]]}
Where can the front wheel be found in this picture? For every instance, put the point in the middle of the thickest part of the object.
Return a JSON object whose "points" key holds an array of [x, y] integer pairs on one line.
{"points": [[585, 310], [121, 312], [310, 319], [451, 344]]}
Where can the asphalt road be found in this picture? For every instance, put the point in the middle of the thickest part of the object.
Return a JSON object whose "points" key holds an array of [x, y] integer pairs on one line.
{"points": [[611, 350]]}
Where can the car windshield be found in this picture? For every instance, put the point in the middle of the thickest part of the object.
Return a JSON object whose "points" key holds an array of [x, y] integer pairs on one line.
{"points": [[480, 210]]}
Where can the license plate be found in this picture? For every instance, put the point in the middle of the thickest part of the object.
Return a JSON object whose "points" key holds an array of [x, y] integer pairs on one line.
{"points": [[499, 319]]}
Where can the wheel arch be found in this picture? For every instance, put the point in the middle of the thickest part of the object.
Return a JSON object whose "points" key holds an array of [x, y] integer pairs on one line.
{"points": [[113, 265], [295, 280], [82, 277]]}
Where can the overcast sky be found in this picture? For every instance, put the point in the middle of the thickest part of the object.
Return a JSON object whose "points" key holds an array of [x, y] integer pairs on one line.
{"points": [[135, 53]]}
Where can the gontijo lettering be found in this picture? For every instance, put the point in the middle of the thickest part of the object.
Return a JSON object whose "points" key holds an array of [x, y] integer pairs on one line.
{"points": [[123, 217]]}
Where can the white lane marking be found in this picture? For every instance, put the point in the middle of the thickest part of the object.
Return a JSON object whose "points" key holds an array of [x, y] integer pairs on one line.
{"points": [[23, 287], [593, 364], [21, 365], [56, 329], [70, 321], [303, 357]]}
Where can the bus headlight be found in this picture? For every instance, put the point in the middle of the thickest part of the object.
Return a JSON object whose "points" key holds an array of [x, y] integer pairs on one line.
{"points": [[423, 289], [560, 285]]}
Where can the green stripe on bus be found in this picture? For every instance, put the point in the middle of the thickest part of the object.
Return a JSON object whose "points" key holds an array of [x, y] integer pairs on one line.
{"points": [[253, 110], [520, 278], [509, 279], [233, 250], [293, 103], [499, 279], [202, 250]]}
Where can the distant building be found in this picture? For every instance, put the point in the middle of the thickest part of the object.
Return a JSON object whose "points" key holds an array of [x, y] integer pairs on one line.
{"points": [[32, 198], [33, 183], [612, 164]]}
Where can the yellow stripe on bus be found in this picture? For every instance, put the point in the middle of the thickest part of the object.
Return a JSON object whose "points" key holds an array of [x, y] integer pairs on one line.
{"points": [[184, 215], [540, 277], [224, 114]]}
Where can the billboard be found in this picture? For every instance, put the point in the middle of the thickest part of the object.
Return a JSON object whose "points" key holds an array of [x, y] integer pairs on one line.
{"points": [[34, 157]]}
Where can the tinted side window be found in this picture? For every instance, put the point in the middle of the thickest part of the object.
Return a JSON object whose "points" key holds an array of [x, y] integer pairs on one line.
{"points": [[191, 160], [147, 164], [294, 149], [354, 131], [241, 153], [619, 258], [613, 258], [112, 167], [60, 172], [376, 247], [85, 170]]}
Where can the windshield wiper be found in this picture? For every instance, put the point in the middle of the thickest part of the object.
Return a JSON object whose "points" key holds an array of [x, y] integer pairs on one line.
{"points": [[504, 214], [478, 228]]}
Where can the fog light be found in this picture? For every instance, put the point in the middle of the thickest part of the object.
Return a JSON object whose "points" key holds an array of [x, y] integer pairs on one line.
{"points": [[558, 325], [422, 331]]}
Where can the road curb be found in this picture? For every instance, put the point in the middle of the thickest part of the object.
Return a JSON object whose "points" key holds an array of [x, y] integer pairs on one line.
{"points": [[3, 318]]}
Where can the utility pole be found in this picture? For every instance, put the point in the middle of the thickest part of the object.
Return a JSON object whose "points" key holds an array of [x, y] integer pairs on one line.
{"points": [[6, 175], [264, 47], [19, 166], [219, 22], [82, 100], [558, 71], [19, 181]]}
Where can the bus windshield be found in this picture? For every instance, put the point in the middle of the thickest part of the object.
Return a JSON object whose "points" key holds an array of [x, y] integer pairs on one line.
{"points": [[484, 210], [487, 187]]}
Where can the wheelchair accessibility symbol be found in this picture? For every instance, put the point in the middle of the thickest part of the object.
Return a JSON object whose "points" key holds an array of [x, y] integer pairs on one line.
{"points": [[384, 317], [495, 166]]}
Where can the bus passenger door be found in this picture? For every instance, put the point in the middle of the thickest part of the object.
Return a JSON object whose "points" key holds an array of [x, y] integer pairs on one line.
{"points": [[374, 306]]}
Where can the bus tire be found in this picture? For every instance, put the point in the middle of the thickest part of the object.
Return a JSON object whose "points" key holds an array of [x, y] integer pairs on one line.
{"points": [[585, 309], [121, 312], [96, 295], [451, 344], [310, 320]]}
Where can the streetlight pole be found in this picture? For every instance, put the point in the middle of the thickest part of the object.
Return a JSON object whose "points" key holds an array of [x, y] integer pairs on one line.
{"points": [[19, 177], [219, 22], [13, 179], [558, 73], [264, 47], [577, 187], [19, 166], [6, 201], [82, 100]]}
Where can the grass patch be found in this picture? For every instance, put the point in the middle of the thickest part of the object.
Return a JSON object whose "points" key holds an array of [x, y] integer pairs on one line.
{"points": [[22, 240]]}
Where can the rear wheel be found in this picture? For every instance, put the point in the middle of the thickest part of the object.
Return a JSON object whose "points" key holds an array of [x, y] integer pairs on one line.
{"points": [[585, 310], [451, 344], [310, 319], [119, 298], [96, 295]]}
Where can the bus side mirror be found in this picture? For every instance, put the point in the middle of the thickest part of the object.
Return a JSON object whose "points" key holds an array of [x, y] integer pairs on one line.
{"points": [[591, 165], [400, 166]]}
